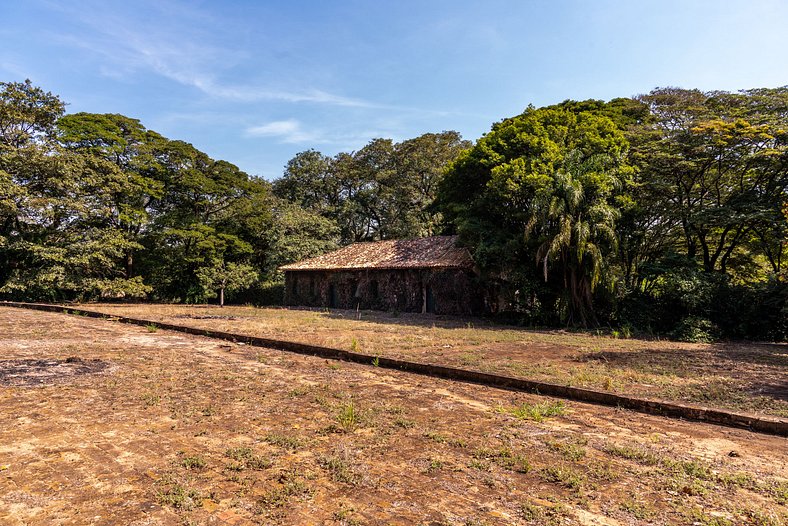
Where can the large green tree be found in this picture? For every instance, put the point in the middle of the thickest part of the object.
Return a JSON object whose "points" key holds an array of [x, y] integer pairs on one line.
{"points": [[539, 192]]}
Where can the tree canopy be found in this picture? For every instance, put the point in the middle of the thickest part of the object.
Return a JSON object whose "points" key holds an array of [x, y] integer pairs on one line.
{"points": [[666, 212]]}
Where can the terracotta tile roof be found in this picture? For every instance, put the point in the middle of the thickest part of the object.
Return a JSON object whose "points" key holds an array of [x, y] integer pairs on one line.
{"points": [[425, 252]]}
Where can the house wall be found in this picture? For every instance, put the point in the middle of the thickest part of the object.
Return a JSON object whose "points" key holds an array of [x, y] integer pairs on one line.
{"points": [[444, 291]]}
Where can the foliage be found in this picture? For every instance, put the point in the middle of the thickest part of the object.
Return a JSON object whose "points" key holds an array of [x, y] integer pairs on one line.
{"points": [[545, 183], [665, 213], [223, 277], [385, 190]]}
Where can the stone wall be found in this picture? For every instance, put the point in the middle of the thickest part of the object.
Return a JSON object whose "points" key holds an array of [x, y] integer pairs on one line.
{"points": [[441, 291]]}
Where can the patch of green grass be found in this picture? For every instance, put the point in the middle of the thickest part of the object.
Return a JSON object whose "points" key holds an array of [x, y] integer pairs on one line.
{"points": [[434, 465], [638, 510], [404, 423], [289, 486], [285, 441], [638, 454], [178, 496], [505, 458], [569, 450], [543, 515], [245, 458], [340, 468], [151, 399], [193, 462], [563, 475], [538, 412], [435, 436], [348, 417]]}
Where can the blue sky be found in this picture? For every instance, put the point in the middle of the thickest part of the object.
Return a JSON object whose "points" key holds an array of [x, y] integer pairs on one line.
{"points": [[255, 82]]}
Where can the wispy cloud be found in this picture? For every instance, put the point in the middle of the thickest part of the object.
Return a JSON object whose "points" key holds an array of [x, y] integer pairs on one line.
{"points": [[288, 131], [292, 131], [183, 56]]}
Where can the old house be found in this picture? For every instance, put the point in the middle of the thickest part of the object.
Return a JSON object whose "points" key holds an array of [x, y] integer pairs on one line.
{"points": [[431, 274]]}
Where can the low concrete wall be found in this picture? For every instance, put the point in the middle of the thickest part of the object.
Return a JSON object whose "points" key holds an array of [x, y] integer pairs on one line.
{"points": [[758, 423]]}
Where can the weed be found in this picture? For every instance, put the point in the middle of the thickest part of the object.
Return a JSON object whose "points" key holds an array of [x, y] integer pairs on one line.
{"points": [[563, 476], [376, 361], [404, 423], [193, 462], [284, 441], [340, 467], [151, 399], [289, 486], [178, 496], [638, 510], [245, 458], [435, 436], [354, 346], [538, 412], [542, 515], [568, 450], [434, 465], [638, 454], [348, 417], [152, 327], [344, 516], [505, 458]]}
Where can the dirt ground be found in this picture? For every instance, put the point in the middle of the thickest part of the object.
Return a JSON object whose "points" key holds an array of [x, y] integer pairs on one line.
{"points": [[105, 423], [743, 376]]}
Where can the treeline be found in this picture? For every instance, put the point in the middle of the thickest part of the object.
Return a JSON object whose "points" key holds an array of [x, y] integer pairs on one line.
{"points": [[664, 213]]}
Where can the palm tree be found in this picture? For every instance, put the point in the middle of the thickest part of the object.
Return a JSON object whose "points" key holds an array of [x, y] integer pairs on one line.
{"points": [[575, 223]]}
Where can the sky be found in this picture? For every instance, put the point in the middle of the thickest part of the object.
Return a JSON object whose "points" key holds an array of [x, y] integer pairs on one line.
{"points": [[255, 82]]}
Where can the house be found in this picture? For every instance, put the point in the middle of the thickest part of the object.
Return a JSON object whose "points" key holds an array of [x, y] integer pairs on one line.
{"points": [[431, 274]]}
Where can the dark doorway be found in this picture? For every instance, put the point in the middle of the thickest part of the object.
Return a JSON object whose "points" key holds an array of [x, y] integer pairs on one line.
{"points": [[333, 299], [430, 300]]}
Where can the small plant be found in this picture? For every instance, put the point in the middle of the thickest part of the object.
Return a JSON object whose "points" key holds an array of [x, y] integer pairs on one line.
{"points": [[638, 454], [568, 450], [285, 441], [193, 462], [245, 458], [404, 423], [435, 436], [289, 486], [636, 509], [348, 417], [152, 327], [178, 496], [538, 412], [376, 361], [563, 476], [340, 467], [354, 346], [435, 465], [151, 399]]}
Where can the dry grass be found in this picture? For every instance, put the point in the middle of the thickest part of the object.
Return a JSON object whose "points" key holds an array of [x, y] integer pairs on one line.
{"points": [[233, 439], [740, 376]]}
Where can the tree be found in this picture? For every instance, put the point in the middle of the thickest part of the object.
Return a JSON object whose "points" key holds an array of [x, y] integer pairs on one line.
{"points": [[385, 190], [223, 276], [540, 189], [718, 161]]}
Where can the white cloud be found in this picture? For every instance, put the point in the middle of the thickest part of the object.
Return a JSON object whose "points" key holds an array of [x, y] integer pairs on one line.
{"points": [[288, 131]]}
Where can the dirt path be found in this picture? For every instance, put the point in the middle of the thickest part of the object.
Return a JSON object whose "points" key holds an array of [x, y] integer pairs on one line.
{"points": [[740, 376], [174, 429]]}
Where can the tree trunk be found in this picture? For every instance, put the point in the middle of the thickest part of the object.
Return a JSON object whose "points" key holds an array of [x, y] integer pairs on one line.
{"points": [[221, 297]]}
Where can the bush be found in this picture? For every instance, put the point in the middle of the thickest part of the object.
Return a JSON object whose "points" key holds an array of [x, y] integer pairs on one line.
{"points": [[262, 293], [695, 329]]}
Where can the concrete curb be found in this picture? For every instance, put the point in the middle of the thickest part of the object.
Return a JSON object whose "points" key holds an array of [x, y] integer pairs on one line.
{"points": [[758, 423]]}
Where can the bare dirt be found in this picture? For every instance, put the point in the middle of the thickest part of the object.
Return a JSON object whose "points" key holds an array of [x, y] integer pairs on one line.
{"points": [[741, 376], [178, 430]]}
